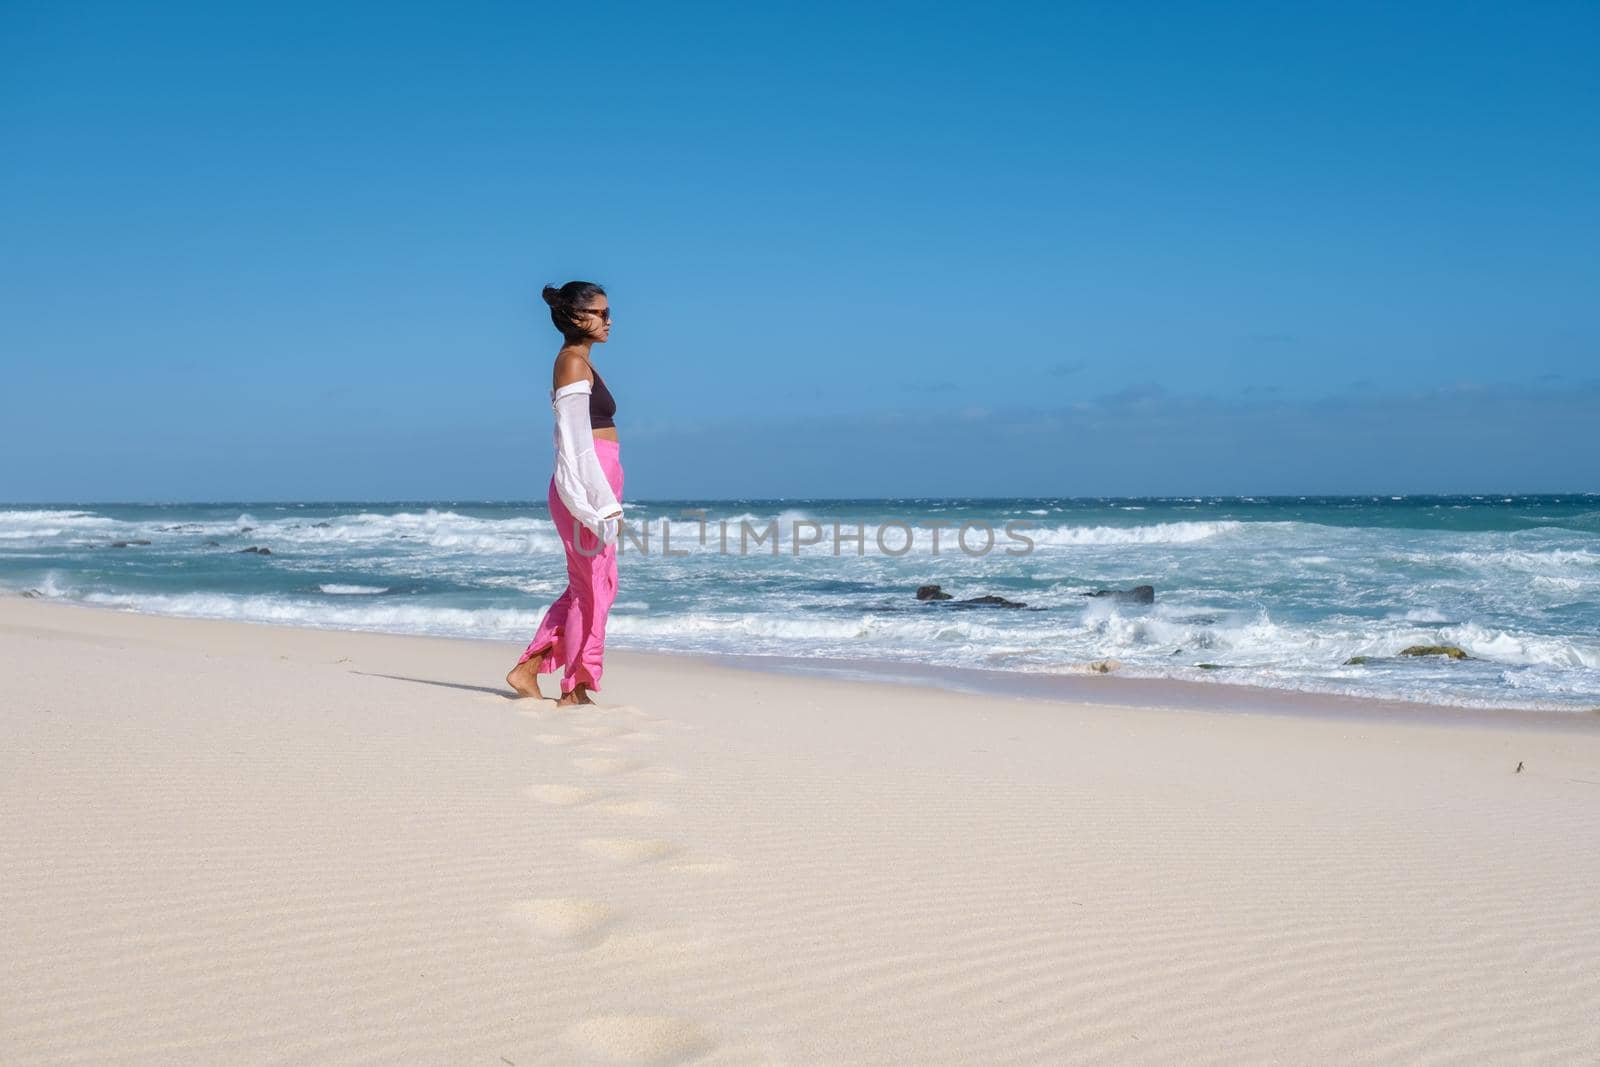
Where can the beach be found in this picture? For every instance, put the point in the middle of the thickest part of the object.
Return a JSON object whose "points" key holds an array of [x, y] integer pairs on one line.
{"points": [[230, 842]]}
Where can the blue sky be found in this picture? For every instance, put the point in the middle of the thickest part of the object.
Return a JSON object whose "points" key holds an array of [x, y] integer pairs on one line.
{"points": [[273, 251]]}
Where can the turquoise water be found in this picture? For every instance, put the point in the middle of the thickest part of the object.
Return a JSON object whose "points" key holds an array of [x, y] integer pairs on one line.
{"points": [[1273, 592]]}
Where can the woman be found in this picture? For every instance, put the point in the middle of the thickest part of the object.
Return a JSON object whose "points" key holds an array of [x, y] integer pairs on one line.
{"points": [[583, 497]]}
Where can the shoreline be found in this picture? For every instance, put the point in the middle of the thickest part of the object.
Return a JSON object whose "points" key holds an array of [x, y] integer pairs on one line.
{"points": [[1116, 690], [1108, 690]]}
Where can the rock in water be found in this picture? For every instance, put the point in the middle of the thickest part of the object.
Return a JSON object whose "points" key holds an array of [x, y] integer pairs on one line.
{"points": [[1139, 594], [1435, 650], [990, 600], [1104, 666]]}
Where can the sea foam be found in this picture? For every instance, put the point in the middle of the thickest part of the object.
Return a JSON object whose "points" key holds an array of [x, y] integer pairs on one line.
{"points": [[1254, 592]]}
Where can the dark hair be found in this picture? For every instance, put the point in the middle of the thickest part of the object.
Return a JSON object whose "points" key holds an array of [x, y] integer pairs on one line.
{"points": [[563, 300]]}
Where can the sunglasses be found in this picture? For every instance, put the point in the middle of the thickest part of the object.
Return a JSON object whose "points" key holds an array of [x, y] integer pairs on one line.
{"points": [[604, 313]]}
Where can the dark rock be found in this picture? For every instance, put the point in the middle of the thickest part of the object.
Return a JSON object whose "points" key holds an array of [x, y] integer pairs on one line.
{"points": [[31, 594], [1435, 650], [992, 601], [320, 525], [127, 544], [988, 600], [1139, 594], [259, 551], [246, 529], [211, 544], [1357, 661], [1209, 666]]}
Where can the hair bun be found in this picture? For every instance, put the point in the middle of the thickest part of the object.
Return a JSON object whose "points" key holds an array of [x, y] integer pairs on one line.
{"points": [[552, 296]]}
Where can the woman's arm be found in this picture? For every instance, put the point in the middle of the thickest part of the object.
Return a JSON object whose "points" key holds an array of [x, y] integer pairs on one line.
{"points": [[580, 482]]}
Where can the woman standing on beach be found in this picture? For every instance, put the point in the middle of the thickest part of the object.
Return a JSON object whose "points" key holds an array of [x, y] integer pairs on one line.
{"points": [[584, 498]]}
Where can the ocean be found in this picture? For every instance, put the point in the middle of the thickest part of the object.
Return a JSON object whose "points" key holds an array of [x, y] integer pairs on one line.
{"points": [[1278, 592]]}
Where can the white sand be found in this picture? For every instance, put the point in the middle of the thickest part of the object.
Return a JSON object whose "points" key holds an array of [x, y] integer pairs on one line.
{"points": [[232, 844]]}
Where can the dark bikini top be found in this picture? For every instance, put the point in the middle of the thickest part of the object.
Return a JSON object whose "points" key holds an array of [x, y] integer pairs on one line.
{"points": [[602, 405]]}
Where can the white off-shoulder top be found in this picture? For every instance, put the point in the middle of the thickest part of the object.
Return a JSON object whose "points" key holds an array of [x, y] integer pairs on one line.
{"points": [[580, 482]]}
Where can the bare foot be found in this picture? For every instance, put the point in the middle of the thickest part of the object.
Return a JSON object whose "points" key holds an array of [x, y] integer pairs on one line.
{"points": [[524, 677], [579, 695]]}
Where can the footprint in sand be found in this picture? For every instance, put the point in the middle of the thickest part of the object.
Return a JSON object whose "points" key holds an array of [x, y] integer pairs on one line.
{"points": [[707, 865], [607, 765], [556, 739], [602, 730], [642, 1040], [629, 851], [638, 809], [640, 716], [571, 920], [629, 947], [563, 796]]}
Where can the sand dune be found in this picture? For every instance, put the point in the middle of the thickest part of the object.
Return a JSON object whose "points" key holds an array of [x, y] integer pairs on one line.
{"points": [[235, 844]]}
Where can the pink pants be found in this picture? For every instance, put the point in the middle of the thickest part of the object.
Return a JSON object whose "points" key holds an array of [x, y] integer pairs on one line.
{"points": [[575, 625]]}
